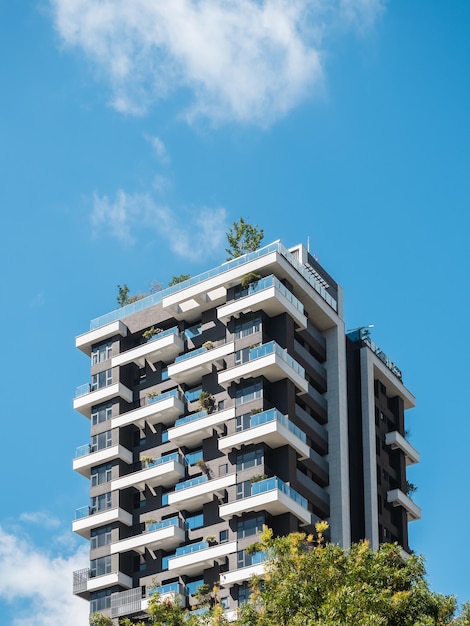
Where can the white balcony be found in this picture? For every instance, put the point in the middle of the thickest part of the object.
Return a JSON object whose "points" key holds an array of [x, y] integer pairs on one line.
{"points": [[86, 521], [173, 592], [190, 367], [268, 360], [397, 441], [163, 409], [268, 295], [271, 495], [84, 463], [88, 398], [238, 576], [192, 494], [85, 341], [109, 580], [165, 535], [192, 429], [164, 346], [195, 558], [398, 498], [165, 471], [272, 428]]}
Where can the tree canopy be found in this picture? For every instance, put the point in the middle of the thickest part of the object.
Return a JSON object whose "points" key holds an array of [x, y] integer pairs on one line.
{"points": [[242, 238], [309, 582]]}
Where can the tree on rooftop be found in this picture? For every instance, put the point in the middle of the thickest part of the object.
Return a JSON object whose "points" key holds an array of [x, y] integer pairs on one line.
{"points": [[175, 280], [242, 238]]}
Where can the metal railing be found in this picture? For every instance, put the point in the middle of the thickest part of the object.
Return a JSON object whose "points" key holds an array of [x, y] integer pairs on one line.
{"points": [[273, 415], [270, 484], [155, 298]]}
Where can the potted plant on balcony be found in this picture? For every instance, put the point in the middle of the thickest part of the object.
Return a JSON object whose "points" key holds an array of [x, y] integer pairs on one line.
{"points": [[151, 332], [211, 540], [206, 401], [202, 465], [151, 396], [208, 345], [146, 460], [249, 279], [258, 478]]}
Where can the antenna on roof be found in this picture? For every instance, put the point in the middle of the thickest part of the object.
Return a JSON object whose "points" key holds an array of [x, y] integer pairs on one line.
{"points": [[308, 243]]}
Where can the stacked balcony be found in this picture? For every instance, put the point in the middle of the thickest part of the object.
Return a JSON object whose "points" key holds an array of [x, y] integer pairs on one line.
{"points": [[86, 519], [272, 495], [192, 494], [270, 427], [163, 346], [164, 535], [86, 398], [161, 409], [191, 366], [84, 581], [270, 361], [86, 457], [268, 295], [398, 498], [164, 471], [192, 429], [397, 442], [194, 558]]}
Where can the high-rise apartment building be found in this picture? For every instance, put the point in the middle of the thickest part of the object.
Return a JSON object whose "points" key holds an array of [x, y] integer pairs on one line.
{"points": [[228, 401]]}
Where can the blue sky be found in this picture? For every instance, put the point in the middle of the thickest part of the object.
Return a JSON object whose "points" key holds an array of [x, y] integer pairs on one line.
{"points": [[133, 134]]}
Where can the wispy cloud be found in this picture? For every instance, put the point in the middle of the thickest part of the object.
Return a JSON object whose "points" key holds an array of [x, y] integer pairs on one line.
{"points": [[249, 61], [41, 518], [37, 585], [187, 235], [159, 148]]}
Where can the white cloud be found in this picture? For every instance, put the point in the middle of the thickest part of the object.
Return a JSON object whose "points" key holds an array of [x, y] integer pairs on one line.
{"points": [[159, 148], [248, 61], [38, 585], [41, 518], [196, 234]]}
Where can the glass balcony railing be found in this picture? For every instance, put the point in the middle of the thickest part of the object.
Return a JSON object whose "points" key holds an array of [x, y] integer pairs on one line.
{"points": [[166, 523], [271, 281], [82, 450], [191, 548], [164, 333], [170, 588], [167, 458], [273, 415], [276, 483], [190, 418], [83, 511], [82, 390], [192, 482], [173, 393], [189, 355], [155, 298], [272, 348]]}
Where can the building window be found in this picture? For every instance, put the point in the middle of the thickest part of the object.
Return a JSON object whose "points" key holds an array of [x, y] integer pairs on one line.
{"points": [[193, 394], [225, 603], [100, 567], [103, 379], [196, 521], [101, 353], [100, 600], [101, 474], [250, 527], [243, 489], [101, 413], [223, 469], [244, 593], [245, 560], [248, 393], [223, 536], [101, 503], [250, 458], [247, 326], [100, 537], [242, 422], [101, 441]]}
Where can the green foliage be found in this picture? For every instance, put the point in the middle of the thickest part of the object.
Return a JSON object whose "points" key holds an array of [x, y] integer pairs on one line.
{"points": [[242, 238], [206, 401], [96, 619], [124, 298], [411, 488], [249, 279], [151, 332], [178, 279]]}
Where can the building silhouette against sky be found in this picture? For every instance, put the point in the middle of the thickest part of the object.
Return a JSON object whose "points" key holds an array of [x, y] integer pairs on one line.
{"points": [[228, 401]]}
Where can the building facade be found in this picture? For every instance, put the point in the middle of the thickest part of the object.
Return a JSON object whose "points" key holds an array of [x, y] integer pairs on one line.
{"points": [[232, 400]]}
